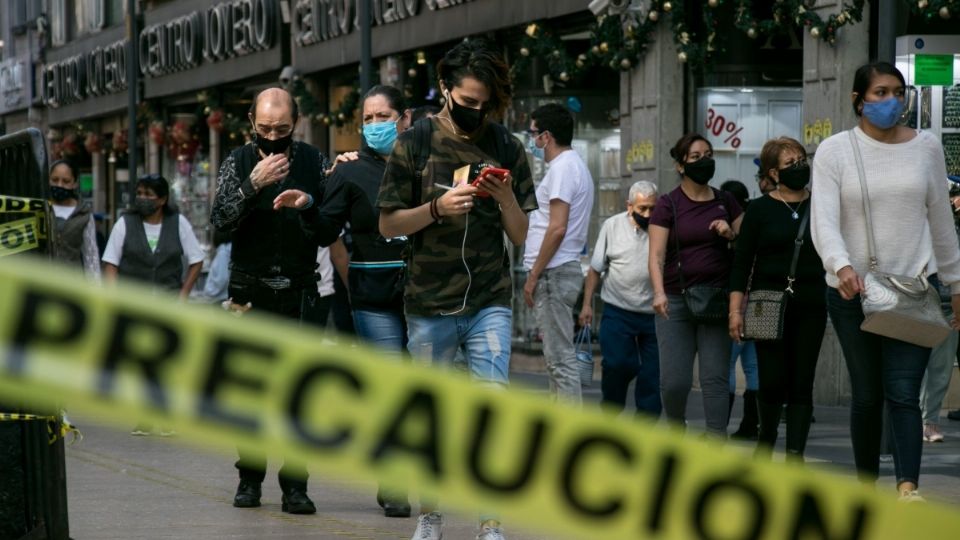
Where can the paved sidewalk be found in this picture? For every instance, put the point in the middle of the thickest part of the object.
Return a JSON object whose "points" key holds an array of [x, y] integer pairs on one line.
{"points": [[125, 487]]}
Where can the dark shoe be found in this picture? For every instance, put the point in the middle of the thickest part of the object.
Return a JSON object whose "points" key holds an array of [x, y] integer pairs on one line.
{"points": [[397, 509], [394, 503], [248, 495], [296, 501], [748, 426], [954, 415], [798, 428]]}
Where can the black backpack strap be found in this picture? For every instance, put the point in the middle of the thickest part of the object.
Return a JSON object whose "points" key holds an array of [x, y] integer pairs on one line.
{"points": [[422, 131], [505, 149]]}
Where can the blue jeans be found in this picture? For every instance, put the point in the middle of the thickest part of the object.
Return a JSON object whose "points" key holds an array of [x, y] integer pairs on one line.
{"points": [[881, 370], [484, 337], [747, 352], [628, 343], [384, 329]]}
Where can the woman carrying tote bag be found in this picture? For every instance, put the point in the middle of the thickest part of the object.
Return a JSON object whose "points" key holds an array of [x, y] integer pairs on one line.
{"points": [[786, 314], [908, 232]]}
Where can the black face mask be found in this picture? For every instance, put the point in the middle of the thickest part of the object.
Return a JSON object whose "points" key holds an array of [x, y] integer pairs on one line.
{"points": [[700, 171], [277, 146], [795, 177], [145, 207], [467, 119], [643, 222], [61, 194]]}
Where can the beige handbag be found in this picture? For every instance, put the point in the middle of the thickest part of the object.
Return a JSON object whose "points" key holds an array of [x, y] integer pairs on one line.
{"points": [[899, 307]]}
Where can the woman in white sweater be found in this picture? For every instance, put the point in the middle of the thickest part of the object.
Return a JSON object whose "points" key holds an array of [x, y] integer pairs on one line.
{"points": [[906, 174]]}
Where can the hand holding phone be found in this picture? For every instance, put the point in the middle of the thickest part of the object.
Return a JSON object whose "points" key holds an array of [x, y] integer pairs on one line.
{"points": [[488, 171]]}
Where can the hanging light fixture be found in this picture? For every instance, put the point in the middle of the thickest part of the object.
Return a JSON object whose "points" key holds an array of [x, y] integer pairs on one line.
{"points": [[421, 57]]}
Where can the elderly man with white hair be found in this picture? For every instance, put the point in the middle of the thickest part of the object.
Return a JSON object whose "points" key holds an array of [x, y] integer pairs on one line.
{"points": [[628, 339]]}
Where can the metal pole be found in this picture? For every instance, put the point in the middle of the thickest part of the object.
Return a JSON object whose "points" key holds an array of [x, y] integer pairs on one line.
{"points": [[363, 13], [133, 68], [887, 31]]}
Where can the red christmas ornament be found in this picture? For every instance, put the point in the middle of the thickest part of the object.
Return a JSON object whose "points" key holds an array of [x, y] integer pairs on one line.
{"points": [[157, 134], [215, 120], [120, 141], [68, 146]]}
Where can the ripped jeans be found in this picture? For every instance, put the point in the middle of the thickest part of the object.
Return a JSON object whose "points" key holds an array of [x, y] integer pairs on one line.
{"points": [[484, 337]]}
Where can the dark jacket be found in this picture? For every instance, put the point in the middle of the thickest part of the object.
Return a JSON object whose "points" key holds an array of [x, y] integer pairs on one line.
{"points": [[69, 237], [268, 242], [376, 264]]}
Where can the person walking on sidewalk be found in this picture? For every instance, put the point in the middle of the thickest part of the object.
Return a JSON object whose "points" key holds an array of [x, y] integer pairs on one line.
{"points": [[377, 266], [267, 196], [763, 260], [76, 237], [745, 351], [905, 171], [628, 338], [694, 225], [458, 290], [555, 239]]}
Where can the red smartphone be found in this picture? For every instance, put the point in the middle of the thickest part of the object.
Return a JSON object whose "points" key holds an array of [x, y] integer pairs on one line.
{"points": [[492, 171]]}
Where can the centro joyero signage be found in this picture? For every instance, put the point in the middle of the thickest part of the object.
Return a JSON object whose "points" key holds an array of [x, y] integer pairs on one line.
{"points": [[223, 31], [94, 73], [320, 20]]}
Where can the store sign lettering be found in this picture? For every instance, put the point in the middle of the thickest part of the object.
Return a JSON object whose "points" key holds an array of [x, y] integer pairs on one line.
{"points": [[12, 84], [641, 152], [817, 131], [94, 73], [315, 21], [223, 31]]}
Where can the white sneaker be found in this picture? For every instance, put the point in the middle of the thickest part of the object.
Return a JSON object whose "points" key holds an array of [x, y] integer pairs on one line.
{"points": [[429, 527], [910, 496], [491, 531]]}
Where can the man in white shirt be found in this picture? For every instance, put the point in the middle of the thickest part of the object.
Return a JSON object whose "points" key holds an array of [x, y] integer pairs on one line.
{"points": [[628, 337], [555, 239]]}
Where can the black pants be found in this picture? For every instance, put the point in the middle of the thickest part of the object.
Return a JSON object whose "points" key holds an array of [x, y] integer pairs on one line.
{"points": [[787, 366], [290, 303]]}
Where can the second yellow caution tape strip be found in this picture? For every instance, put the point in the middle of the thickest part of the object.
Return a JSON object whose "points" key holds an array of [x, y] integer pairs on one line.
{"points": [[123, 355], [57, 426]]}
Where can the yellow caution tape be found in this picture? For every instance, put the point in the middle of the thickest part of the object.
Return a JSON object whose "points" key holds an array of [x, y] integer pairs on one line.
{"points": [[122, 355], [57, 426], [18, 236], [18, 205], [38, 208]]}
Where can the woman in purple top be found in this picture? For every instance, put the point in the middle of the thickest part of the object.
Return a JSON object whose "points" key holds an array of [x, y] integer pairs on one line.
{"points": [[705, 221]]}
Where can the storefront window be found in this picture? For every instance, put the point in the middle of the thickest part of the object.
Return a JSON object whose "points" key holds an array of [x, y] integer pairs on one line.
{"points": [[186, 165], [58, 22], [737, 121], [88, 16]]}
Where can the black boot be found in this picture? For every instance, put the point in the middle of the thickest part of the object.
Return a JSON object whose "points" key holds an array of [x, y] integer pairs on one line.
{"points": [[248, 494], [798, 427], [748, 425], [295, 501], [769, 422], [393, 502]]}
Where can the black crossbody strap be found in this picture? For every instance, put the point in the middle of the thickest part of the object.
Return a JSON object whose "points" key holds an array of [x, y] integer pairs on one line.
{"points": [[797, 244]]}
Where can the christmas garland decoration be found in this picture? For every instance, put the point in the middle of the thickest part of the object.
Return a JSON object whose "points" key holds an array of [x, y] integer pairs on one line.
{"points": [[346, 112], [619, 41], [929, 9], [615, 42]]}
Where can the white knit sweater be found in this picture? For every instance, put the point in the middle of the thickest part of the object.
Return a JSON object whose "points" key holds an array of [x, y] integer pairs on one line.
{"points": [[909, 205]]}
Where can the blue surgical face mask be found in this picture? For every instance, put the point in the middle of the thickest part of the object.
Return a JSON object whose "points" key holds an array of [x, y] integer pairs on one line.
{"points": [[535, 150], [883, 114], [380, 136]]}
